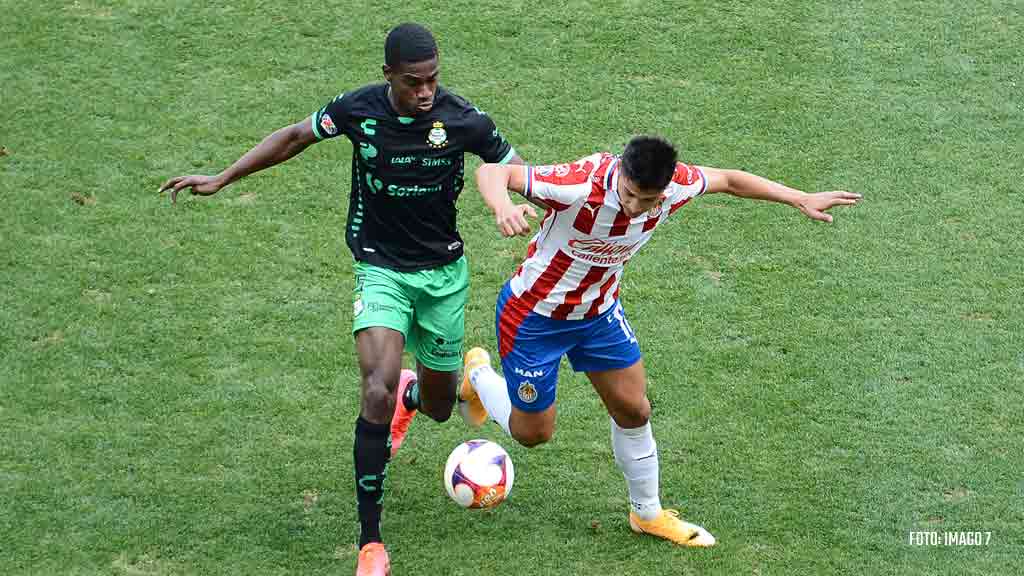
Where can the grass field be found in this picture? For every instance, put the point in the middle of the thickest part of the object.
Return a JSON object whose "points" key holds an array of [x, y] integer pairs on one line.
{"points": [[178, 385]]}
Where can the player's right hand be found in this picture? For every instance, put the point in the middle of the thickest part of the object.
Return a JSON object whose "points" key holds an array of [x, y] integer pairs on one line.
{"points": [[512, 220], [196, 184]]}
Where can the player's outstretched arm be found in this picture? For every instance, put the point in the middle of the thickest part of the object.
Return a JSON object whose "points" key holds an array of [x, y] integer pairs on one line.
{"points": [[746, 185], [494, 182], [279, 146]]}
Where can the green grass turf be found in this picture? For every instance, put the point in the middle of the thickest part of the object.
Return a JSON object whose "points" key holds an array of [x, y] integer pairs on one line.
{"points": [[178, 386]]}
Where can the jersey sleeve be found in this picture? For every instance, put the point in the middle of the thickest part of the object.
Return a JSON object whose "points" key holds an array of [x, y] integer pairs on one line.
{"points": [[687, 183], [330, 120], [486, 141], [560, 185]]}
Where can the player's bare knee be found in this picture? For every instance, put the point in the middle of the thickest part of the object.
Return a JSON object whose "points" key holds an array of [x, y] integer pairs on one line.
{"points": [[378, 402], [633, 415], [532, 438]]}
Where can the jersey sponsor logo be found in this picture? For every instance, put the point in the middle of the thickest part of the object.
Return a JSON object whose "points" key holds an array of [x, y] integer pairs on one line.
{"points": [[368, 152], [685, 175], [584, 166], [527, 392], [437, 137], [414, 190], [328, 124], [592, 208], [599, 251], [561, 174], [529, 373]]}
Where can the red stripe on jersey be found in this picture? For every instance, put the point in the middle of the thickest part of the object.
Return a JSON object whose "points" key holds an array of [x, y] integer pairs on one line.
{"points": [[620, 225], [512, 317], [574, 298], [516, 309], [587, 215], [678, 205], [600, 297], [554, 204], [651, 222]]}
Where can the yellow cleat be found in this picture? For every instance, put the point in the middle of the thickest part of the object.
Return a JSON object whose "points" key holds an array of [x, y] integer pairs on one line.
{"points": [[470, 406], [670, 526]]}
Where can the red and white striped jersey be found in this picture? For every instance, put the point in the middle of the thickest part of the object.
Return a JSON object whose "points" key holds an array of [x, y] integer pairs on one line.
{"points": [[574, 263]]}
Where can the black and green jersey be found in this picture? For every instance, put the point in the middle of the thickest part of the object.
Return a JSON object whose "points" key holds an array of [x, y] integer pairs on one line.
{"points": [[407, 173]]}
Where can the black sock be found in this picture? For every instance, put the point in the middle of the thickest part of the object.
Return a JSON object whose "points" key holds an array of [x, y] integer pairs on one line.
{"points": [[411, 398], [372, 451]]}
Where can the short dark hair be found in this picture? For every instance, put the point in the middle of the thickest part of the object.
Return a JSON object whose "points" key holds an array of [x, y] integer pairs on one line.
{"points": [[409, 42], [649, 161]]}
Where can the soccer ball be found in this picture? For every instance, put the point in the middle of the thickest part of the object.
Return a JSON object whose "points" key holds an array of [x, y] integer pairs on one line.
{"points": [[478, 474]]}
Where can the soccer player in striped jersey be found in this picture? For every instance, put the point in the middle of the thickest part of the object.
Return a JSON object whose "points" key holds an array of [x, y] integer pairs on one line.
{"points": [[564, 298]]}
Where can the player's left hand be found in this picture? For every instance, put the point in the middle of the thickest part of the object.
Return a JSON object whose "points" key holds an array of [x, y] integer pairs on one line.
{"points": [[815, 205], [512, 220]]}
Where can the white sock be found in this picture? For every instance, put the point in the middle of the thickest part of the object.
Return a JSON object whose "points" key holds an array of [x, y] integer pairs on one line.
{"points": [[494, 394], [636, 453]]}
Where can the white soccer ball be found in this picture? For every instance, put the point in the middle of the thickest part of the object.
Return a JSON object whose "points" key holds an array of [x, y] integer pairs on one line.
{"points": [[478, 474]]}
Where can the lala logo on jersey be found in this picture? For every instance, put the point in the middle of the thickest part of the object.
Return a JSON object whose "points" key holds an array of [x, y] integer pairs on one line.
{"points": [[328, 125], [599, 251], [437, 137]]}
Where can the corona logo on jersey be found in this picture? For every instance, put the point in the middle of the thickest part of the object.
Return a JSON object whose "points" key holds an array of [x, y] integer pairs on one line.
{"points": [[600, 251]]}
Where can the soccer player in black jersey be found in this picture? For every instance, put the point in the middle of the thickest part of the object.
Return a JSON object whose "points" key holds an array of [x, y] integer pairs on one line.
{"points": [[408, 138]]}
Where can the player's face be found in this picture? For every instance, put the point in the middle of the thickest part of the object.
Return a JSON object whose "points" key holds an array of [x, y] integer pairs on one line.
{"points": [[636, 200], [413, 86]]}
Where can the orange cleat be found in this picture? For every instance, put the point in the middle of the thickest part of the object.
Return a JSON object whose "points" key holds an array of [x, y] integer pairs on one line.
{"points": [[402, 417], [373, 561]]}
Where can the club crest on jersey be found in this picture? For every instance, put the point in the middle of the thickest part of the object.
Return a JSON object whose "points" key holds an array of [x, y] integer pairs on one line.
{"points": [[328, 125], [528, 392], [654, 212], [437, 137]]}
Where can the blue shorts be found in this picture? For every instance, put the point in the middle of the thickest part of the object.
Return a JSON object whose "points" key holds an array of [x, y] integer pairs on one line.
{"points": [[532, 345]]}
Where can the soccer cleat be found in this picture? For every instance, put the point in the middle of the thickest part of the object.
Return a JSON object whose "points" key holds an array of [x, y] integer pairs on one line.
{"points": [[373, 560], [470, 406], [670, 526], [402, 417]]}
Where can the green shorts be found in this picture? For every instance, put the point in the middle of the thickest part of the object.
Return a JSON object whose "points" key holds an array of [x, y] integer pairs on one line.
{"points": [[427, 307]]}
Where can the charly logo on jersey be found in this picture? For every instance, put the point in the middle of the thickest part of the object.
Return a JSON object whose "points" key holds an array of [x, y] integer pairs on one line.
{"points": [[328, 125], [528, 392], [599, 251], [437, 137]]}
